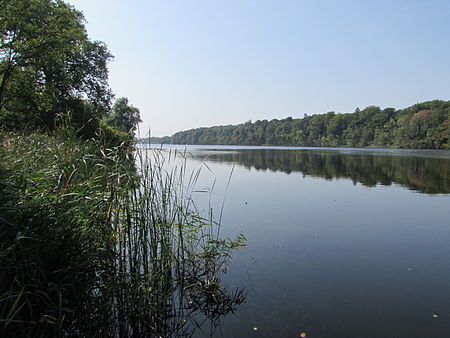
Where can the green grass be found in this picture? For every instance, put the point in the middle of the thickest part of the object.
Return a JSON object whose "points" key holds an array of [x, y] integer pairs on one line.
{"points": [[105, 242]]}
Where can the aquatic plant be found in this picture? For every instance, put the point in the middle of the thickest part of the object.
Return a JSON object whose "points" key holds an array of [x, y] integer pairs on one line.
{"points": [[100, 241]]}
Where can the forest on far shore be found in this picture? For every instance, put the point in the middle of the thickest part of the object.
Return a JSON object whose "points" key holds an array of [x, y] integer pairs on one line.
{"points": [[422, 126]]}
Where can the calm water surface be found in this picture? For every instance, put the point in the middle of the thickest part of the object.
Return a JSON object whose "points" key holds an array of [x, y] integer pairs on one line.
{"points": [[341, 242]]}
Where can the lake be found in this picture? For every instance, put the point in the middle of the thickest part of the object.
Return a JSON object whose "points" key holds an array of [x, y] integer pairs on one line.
{"points": [[340, 242]]}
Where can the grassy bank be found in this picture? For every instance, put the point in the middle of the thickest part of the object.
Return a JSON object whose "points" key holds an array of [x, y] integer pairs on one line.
{"points": [[94, 245]]}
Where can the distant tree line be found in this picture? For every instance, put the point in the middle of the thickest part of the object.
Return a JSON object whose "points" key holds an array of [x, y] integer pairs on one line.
{"points": [[157, 140], [423, 125]]}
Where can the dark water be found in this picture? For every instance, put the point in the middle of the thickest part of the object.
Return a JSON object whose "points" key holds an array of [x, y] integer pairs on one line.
{"points": [[341, 242]]}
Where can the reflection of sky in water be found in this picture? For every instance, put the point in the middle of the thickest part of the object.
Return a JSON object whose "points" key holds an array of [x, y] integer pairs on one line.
{"points": [[334, 258]]}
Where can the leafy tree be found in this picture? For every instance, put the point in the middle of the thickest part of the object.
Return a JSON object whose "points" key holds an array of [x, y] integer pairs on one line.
{"points": [[124, 117], [48, 63]]}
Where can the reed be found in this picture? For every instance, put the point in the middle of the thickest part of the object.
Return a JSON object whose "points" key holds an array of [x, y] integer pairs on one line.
{"points": [[99, 241]]}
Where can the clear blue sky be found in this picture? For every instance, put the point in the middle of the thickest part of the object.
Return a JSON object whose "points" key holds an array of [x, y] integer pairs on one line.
{"points": [[188, 64]]}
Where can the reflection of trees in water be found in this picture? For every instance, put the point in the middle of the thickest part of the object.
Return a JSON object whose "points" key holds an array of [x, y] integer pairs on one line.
{"points": [[424, 174]]}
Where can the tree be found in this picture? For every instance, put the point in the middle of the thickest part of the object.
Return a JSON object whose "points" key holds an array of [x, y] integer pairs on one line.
{"points": [[47, 62], [124, 117]]}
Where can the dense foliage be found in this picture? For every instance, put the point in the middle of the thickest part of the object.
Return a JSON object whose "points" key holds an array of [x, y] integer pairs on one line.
{"points": [[49, 67], [424, 125], [48, 64], [124, 117], [52, 191]]}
